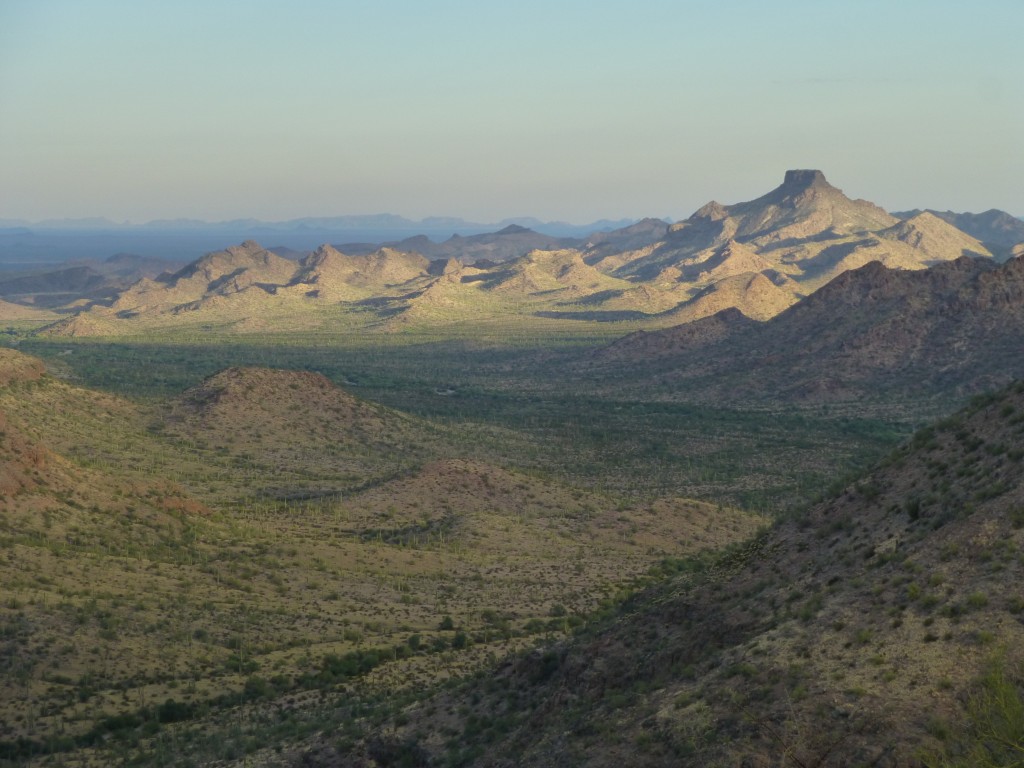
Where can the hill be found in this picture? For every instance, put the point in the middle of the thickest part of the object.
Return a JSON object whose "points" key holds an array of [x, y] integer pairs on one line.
{"points": [[53, 288], [510, 242], [224, 273], [997, 229], [329, 275], [752, 293], [871, 334], [633, 237], [880, 626], [295, 434], [934, 237], [10, 312]]}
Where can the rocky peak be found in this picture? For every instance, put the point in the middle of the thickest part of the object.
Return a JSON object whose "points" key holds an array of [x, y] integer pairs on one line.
{"points": [[513, 229], [249, 246], [323, 253], [803, 179], [713, 211]]}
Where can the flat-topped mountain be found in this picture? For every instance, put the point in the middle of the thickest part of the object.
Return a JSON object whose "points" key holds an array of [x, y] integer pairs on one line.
{"points": [[805, 229], [804, 205]]}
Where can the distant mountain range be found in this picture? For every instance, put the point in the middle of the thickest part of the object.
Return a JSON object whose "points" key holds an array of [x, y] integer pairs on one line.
{"points": [[27, 245], [758, 257], [364, 222]]}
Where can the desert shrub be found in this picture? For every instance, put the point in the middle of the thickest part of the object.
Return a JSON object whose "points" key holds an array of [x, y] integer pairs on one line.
{"points": [[993, 734]]}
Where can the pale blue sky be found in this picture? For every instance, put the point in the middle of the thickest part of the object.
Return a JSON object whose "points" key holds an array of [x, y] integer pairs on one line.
{"points": [[560, 109]]}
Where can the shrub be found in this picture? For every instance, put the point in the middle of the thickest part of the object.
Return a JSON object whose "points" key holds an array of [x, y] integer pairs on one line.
{"points": [[993, 734]]}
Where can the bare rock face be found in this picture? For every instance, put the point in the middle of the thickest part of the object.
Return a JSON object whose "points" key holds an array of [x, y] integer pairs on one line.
{"points": [[803, 179]]}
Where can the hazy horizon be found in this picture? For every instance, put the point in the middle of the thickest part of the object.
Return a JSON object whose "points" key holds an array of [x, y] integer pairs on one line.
{"points": [[574, 113]]}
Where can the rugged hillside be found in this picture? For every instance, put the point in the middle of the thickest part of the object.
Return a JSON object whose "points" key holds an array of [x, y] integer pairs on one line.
{"points": [[882, 625], [327, 274], [237, 270], [805, 229], [67, 514], [934, 237], [871, 334], [997, 229], [803, 206], [24, 464], [564, 272], [752, 293], [642, 234]]}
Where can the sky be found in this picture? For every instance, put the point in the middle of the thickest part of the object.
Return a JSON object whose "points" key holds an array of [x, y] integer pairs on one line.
{"points": [[559, 109]]}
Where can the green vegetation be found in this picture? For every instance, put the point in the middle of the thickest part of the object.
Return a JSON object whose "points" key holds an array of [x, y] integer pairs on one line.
{"points": [[204, 571], [516, 404], [990, 731], [170, 562]]}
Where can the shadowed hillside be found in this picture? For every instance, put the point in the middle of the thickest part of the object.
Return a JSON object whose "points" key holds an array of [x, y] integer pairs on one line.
{"points": [[880, 626], [870, 333]]}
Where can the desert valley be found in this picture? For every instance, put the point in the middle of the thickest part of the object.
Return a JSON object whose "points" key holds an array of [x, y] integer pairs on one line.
{"points": [[743, 489]]}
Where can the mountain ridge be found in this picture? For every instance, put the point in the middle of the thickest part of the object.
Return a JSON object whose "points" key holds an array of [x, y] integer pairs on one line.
{"points": [[955, 328], [788, 243]]}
